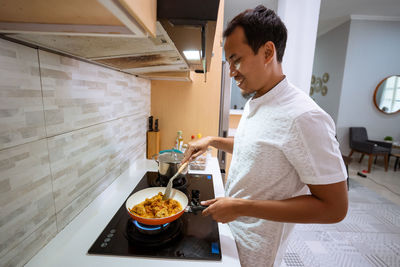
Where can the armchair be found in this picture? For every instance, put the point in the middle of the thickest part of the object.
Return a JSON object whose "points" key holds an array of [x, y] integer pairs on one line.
{"points": [[359, 143]]}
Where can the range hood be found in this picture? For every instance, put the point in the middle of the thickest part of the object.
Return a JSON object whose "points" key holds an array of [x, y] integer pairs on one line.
{"points": [[124, 43]]}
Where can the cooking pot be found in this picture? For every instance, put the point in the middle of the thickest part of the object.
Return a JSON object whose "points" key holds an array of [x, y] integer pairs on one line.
{"points": [[150, 192], [169, 162]]}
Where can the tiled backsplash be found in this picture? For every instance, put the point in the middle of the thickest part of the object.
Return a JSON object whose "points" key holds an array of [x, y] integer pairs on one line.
{"points": [[67, 130]]}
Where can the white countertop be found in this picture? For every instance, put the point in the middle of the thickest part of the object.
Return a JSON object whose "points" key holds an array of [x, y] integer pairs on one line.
{"points": [[235, 111], [69, 247]]}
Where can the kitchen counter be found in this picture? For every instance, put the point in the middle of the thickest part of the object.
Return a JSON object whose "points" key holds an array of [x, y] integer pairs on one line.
{"points": [[69, 247]]}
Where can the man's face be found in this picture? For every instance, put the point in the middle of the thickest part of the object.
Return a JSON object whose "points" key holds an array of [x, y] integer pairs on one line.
{"points": [[246, 67]]}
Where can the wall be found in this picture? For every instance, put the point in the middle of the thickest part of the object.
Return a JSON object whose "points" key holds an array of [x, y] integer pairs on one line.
{"points": [[234, 120], [192, 107], [236, 96], [372, 55], [330, 55], [234, 7], [301, 20], [67, 130]]}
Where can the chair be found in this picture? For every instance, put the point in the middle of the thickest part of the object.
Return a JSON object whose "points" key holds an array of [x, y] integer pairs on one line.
{"points": [[347, 162], [396, 163], [359, 143]]}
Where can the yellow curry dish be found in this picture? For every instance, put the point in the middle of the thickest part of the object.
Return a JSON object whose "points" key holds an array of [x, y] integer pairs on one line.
{"points": [[156, 207]]}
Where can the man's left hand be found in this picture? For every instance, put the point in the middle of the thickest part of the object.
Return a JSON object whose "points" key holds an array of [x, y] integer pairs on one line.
{"points": [[221, 209]]}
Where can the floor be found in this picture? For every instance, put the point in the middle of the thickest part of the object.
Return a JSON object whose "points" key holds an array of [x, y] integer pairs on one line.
{"points": [[368, 236]]}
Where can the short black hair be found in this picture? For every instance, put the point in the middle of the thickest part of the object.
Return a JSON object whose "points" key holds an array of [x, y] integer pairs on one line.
{"points": [[260, 25]]}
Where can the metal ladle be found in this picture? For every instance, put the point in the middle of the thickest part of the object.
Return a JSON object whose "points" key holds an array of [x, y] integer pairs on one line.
{"points": [[167, 192]]}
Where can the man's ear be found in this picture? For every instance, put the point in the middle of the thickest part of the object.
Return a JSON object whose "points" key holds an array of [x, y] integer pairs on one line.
{"points": [[269, 51]]}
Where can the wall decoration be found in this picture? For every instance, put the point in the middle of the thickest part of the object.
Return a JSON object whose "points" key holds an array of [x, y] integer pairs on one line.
{"points": [[324, 90], [325, 77], [319, 84], [386, 95]]}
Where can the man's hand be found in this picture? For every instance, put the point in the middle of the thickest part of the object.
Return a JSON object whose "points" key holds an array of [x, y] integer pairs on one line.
{"points": [[221, 209], [196, 148]]}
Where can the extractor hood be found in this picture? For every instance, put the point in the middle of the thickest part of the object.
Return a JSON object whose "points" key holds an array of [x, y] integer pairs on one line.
{"points": [[181, 25]]}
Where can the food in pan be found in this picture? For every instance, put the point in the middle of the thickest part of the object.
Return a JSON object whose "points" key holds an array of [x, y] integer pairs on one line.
{"points": [[156, 207]]}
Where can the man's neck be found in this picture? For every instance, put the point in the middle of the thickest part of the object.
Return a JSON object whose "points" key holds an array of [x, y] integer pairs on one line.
{"points": [[274, 81]]}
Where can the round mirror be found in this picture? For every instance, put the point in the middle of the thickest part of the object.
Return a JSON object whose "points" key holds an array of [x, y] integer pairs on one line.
{"points": [[387, 95]]}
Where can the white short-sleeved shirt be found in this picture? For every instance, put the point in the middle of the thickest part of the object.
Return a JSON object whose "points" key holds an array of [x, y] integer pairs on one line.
{"points": [[283, 142]]}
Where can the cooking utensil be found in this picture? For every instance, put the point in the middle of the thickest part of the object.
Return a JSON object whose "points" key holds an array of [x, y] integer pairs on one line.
{"points": [[169, 186], [150, 192], [156, 125], [169, 162], [150, 124]]}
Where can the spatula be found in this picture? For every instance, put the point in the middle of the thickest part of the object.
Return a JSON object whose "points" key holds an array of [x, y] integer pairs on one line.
{"points": [[167, 192]]}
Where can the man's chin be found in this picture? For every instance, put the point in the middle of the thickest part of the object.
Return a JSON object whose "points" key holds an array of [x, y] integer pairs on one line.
{"points": [[246, 94]]}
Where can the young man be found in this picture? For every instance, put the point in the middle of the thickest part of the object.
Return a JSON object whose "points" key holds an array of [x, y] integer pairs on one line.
{"points": [[286, 166]]}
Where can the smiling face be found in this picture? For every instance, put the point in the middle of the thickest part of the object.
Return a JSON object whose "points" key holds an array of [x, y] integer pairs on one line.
{"points": [[249, 70]]}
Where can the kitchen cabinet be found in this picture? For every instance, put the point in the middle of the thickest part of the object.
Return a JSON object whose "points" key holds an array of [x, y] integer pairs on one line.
{"points": [[144, 12], [69, 247], [119, 34], [125, 35], [89, 17]]}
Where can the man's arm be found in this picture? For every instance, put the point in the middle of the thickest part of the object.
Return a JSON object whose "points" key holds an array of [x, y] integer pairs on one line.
{"points": [[326, 204], [223, 143], [198, 147]]}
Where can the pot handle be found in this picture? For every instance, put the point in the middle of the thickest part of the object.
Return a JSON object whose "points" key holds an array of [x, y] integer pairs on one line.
{"points": [[155, 157]]}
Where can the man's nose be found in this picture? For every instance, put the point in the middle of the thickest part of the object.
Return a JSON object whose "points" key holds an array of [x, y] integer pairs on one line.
{"points": [[232, 71]]}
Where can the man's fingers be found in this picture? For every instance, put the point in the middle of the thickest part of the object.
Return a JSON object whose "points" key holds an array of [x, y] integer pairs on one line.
{"points": [[208, 202], [195, 155], [188, 154], [206, 212]]}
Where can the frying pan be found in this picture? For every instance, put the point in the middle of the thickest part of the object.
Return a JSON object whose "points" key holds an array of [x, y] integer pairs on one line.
{"points": [[150, 192]]}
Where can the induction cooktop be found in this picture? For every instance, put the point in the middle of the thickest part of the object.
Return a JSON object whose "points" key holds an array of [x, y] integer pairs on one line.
{"points": [[192, 236]]}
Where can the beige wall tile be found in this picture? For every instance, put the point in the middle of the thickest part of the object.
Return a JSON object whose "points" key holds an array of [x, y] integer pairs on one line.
{"points": [[96, 123], [74, 207], [26, 201], [78, 94], [79, 159], [28, 247], [21, 108]]}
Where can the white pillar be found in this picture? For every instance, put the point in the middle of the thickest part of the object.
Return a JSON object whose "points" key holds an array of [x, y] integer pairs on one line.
{"points": [[301, 20]]}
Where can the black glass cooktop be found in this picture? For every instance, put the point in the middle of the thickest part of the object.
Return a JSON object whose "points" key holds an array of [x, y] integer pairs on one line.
{"points": [[192, 236]]}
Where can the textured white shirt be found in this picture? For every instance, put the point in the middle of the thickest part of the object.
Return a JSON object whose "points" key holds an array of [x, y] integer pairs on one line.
{"points": [[283, 142]]}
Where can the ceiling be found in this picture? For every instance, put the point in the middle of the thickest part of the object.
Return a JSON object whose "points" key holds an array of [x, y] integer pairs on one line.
{"points": [[234, 7], [335, 12], [332, 12]]}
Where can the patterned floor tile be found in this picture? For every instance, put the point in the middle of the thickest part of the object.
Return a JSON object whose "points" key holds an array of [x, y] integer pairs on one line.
{"points": [[368, 236]]}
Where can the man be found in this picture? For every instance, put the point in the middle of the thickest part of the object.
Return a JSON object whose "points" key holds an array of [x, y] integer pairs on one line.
{"points": [[286, 166]]}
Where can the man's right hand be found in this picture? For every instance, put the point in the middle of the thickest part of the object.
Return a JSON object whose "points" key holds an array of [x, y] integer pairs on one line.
{"points": [[196, 148]]}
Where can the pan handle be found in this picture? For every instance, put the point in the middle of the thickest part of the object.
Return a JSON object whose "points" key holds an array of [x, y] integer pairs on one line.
{"points": [[198, 208], [195, 208]]}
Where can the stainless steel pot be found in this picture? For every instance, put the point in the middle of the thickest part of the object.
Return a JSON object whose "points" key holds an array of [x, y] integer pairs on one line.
{"points": [[169, 162]]}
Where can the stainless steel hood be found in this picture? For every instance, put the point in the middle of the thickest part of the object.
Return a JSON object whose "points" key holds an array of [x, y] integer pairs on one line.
{"points": [[191, 25]]}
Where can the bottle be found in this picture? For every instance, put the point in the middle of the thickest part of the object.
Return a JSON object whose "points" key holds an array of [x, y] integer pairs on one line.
{"points": [[179, 141], [184, 147]]}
